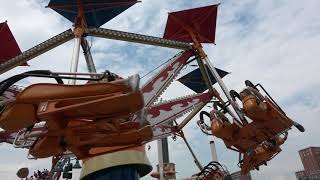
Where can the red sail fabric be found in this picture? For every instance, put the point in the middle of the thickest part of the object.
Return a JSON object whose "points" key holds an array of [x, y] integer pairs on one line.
{"points": [[200, 21], [8, 45]]}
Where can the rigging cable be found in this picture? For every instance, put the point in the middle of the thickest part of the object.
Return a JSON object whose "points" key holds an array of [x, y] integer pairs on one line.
{"points": [[195, 159], [155, 68], [164, 64]]}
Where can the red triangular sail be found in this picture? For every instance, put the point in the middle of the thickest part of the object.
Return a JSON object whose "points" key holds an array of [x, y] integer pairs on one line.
{"points": [[8, 45], [200, 21]]}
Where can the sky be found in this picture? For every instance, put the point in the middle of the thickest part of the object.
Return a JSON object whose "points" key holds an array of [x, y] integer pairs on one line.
{"points": [[274, 42]]}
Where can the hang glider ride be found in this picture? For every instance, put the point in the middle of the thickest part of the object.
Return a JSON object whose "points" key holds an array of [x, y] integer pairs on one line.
{"points": [[110, 113]]}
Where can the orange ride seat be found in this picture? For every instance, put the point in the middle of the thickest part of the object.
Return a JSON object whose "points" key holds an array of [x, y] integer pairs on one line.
{"points": [[58, 103], [267, 122], [241, 138], [263, 111], [261, 154], [89, 139]]}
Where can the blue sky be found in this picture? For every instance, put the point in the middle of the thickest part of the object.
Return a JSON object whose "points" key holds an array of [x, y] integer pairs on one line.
{"points": [[272, 42]]}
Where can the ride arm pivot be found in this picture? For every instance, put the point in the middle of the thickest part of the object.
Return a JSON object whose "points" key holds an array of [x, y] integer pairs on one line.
{"points": [[161, 115]]}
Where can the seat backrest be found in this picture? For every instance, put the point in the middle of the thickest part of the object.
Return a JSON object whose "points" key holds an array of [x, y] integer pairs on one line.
{"points": [[46, 91], [12, 121]]}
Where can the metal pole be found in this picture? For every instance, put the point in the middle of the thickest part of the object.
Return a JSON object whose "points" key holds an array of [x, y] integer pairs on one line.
{"points": [[224, 89], [191, 115], [78, 74], [160, 159], [196, 161], [205, 74], [208, 82], [88, 56], [213, 151], [75, 59], [165, 150], [164, 153], [137, 38]]}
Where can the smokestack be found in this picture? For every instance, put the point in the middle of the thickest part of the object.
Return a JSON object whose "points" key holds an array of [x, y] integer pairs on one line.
{"points": [[213, 151]]}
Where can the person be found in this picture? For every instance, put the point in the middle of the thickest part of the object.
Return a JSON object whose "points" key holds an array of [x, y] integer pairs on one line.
{"points": [[39, 174], [35, 174]]}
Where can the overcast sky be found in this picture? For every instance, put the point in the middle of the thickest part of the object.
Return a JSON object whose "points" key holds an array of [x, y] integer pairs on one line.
{"points": [[273, 42]]}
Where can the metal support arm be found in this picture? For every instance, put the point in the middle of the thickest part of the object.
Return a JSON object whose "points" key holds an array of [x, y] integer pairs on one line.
{"points": [[225, 90], [137, 38], [36, 50], [205, 74], [191, 115], [87, 54]]}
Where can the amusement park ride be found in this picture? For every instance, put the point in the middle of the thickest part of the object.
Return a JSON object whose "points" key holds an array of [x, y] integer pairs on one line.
{"points": [[110, 114]]}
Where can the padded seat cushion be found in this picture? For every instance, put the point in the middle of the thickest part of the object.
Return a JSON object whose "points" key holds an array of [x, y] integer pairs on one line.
{"points": [[18, 116], [45, 147], [46, 91]]}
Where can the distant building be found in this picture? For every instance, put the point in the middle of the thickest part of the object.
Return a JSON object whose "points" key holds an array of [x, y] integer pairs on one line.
{"points": [[310, 158], [301, 175], [238, 176]]}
